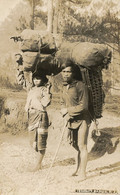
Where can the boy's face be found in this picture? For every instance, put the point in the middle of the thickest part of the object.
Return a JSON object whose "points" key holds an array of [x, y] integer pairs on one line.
{"points": [[37, 81], [67, 74]]}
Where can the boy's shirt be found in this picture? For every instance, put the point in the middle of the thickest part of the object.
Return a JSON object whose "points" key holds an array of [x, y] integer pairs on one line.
{"points": [[38, 99]]}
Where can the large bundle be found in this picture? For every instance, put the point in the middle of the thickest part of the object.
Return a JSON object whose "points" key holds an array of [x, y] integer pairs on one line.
{"points": [[85, 54], [34, 40], [29, 60], [91, 58], [46, 63]]}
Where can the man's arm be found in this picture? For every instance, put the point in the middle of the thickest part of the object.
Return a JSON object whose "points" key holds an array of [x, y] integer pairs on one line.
{"points": [[82, 101], [64, 110]]}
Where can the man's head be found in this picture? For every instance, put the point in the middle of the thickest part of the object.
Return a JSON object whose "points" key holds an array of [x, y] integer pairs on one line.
{"points": [[67, 74], [67, 71]]}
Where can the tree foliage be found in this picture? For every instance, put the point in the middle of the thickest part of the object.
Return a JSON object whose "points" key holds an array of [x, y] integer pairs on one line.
{"points": [[71, 22]]}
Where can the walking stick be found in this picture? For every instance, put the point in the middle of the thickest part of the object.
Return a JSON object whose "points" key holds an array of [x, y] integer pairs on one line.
{"points": [[55, 154]]}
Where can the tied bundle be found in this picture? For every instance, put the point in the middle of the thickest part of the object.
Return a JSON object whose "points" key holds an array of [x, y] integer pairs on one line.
{"points": [[40, 53]]}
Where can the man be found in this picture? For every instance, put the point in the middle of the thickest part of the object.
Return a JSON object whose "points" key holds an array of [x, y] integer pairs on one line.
{"points": [[74, 108]]}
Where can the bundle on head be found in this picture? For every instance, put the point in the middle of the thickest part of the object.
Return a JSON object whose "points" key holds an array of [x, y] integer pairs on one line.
{"points": [[91, 58]]}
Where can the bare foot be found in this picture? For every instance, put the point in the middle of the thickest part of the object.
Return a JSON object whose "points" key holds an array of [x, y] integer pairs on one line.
{"points": [[82, 178], [74, 174], [37, 168]]}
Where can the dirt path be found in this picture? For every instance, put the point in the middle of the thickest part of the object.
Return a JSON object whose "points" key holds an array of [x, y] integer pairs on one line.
{"points": [[17, 157]]}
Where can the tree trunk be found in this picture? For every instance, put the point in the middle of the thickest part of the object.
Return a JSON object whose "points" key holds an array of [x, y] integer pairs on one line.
{"points": [[33, 7], [50, 16], [56, 14]]}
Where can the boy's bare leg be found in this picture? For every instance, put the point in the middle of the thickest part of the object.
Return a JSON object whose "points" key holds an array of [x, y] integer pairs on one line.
{"points": [[82, 143], [39, 164]]}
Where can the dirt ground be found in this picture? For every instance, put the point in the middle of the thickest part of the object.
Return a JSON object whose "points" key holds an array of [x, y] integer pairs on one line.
{"points": [[17, 158]]}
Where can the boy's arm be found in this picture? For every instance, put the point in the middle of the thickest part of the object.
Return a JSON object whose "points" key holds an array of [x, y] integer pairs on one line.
{"points": [[47, 96], [27, 102]]}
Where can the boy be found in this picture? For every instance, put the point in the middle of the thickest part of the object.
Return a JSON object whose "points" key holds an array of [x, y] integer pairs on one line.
{"points": [[38, 99]]}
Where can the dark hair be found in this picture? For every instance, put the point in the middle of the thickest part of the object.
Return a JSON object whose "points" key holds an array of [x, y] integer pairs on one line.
{"points": [[40, 76], [75, 69], [67, 63]]}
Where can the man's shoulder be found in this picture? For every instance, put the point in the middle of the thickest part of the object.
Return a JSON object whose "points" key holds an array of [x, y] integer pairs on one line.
{"points": [[80, 86], [80, 83]]}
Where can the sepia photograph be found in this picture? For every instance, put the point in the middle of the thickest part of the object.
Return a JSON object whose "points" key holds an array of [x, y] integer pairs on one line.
{"points": [[59, 97]]}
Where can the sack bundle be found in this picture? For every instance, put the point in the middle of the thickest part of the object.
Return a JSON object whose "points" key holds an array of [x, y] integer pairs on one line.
{"points": [[39, 54], [48, 65], [29, 60], [85, 54], [34, 41]]}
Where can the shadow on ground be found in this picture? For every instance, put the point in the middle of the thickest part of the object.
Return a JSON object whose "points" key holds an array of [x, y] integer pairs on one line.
{"points": [[103, 144], [105, 170]]}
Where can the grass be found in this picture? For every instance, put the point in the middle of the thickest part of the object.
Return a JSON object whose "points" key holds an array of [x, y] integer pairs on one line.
{"points": [[112, 104], [5, 82]]}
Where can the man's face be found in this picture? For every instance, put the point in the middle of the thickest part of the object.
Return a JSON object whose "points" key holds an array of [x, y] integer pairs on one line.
{"points": [[67, 74]]}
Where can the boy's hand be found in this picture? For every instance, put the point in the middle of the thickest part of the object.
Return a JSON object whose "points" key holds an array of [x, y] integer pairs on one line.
{"points": [[67, 117], [64, 111], [49, 85]]}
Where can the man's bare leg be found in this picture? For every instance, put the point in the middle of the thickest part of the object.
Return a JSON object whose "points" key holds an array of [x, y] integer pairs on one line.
{"points": [[83, 164], [82, 143], [78, 163]]}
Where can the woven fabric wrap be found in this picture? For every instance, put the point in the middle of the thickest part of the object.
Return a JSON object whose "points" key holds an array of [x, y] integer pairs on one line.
{"points": [[42, 135], [38, 125], [38, 139], [38, 119]]}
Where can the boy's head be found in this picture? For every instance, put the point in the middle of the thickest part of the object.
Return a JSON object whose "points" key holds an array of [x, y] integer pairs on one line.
{"points": [[39, 79]]}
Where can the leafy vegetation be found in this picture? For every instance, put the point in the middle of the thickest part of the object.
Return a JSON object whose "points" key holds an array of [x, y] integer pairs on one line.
{"points": [[78, 20]]}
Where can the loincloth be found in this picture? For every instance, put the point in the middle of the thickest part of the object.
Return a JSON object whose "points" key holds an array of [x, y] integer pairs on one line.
{"points": [[74, 126]]}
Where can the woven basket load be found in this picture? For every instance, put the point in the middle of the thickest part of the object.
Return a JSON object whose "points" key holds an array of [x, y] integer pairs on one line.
{"points": [[97, 93]]}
